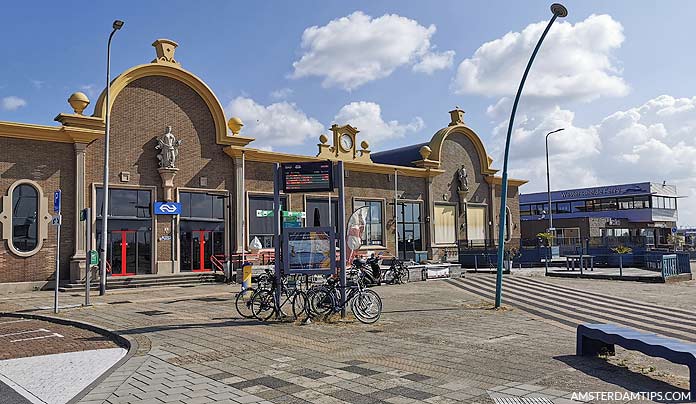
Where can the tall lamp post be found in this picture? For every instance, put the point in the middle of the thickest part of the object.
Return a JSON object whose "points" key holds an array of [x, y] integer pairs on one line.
{"points": [[105, 206], [548, 181], [558, 10]]}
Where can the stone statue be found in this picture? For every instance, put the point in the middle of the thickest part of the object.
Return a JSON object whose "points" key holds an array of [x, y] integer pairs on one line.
{"points": [[463, 179], [169, 149]]}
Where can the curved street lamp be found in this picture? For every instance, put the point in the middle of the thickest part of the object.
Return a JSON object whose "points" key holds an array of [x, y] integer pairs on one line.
{"points": [[558, 10], [105, 205]]}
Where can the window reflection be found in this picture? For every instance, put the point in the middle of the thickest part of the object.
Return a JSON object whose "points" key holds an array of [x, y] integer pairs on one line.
{"points": [[25, 207]]}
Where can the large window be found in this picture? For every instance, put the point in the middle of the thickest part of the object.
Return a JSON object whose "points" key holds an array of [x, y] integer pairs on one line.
{"points": [[409, 229], [25, 212], [476, 224], [445, 224], [127, 203], [373, 225], [260, 224], [202, 206], [318, 212]]}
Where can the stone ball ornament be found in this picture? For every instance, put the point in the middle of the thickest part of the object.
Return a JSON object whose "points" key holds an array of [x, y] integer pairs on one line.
{"points": [[235, 124], [364, 145], [78, 101], [323, 139], [425, 152], [559, 10]]}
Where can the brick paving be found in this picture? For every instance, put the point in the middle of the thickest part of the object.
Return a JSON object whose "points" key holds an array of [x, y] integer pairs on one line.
{"points": [[434, 344], [21, 338]]}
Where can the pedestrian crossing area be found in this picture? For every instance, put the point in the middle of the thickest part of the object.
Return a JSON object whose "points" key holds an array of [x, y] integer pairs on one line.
{"points": [[570, 306]]}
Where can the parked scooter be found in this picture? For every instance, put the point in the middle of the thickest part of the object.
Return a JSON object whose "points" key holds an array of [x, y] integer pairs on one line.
{"points": [[370, 267]]}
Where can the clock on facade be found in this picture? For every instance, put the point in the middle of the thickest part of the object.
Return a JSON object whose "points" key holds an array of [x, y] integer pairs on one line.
{"points": [[346, 142]]}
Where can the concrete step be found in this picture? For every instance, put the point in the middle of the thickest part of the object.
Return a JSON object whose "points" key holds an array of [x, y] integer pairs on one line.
{"points": [[147, 281]]}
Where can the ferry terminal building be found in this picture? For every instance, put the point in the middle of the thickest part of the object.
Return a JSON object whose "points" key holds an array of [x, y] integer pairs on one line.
{"points": [[447, 194]]}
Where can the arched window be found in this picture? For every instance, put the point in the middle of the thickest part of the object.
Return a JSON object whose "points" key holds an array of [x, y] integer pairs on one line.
{"points": [[24, 218], [25, 222]]}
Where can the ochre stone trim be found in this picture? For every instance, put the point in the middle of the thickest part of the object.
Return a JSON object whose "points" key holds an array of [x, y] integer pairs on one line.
{"points": [[438, 141], [499, 180], [175, 72], [61, 134], [6, 218], [264, 156]]}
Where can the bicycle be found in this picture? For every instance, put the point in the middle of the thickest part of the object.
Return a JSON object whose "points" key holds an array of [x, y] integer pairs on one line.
{"points": [[365, 304], [243, 300], [398, 271], [263, 303]]}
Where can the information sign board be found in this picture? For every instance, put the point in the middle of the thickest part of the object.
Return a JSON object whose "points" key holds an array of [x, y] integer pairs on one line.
{"points": [[309, 250], [312, 176]]}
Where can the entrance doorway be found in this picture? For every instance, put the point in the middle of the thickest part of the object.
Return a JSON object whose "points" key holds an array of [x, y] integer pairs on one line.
{"points": [[198, 247], [128, 252]]}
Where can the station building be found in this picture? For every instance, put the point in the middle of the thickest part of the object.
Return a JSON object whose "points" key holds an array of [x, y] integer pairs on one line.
{"points": [[447, 191], [642, 213]]}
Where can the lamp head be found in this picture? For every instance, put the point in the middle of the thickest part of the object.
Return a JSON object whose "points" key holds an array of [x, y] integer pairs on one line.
{"points": [[118, 24], [559, 10]]}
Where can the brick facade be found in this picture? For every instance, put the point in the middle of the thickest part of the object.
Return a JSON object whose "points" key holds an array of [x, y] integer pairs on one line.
{"points": [[52, 166]]}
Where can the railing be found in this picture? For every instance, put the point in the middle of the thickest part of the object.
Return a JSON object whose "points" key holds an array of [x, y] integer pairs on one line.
{"points": [[218, 262]]}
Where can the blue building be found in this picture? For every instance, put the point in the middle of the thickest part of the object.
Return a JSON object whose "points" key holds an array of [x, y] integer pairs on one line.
{"points": [[641, 213]]}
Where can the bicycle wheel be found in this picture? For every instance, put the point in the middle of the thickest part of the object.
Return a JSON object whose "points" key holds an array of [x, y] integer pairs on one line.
{"points": [[319, 301], [263, 305], [367, 306], [243, 302], [299, 304], [404, 275]]}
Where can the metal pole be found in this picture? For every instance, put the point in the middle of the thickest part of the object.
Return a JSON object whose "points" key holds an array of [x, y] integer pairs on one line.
{"points": [[396, 213], [558, 11], [548, 180], [55, 294], [105, 206], [276, 232], [172, 235], [243, 187], [88, 247], [341, 222]]}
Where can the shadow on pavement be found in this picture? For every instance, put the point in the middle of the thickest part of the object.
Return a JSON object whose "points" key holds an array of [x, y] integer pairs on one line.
{"points": [[620, 376], [168, 327]]}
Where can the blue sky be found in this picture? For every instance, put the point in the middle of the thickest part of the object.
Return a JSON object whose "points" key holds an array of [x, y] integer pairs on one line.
{"points": [[601, 77]]}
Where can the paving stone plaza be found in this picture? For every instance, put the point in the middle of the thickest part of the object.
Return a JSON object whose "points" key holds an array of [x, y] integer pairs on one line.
{"points": [[436, 343]]}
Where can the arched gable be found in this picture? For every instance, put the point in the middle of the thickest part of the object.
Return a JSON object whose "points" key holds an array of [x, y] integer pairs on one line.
{"points": [[174, 71], [438, 140]]}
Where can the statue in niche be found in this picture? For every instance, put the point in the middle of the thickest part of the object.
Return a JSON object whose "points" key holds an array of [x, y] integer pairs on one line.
{"points": [[463, 177], [169, 149]]}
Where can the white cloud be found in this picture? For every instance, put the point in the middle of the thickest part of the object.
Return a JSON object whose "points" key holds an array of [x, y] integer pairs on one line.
{"points": [[434, 61], [12, 103], [282, 93], [367, 117], [351, 51], [90, 89], [38, 84], [278, 124], [651, 142], [575, 62]]}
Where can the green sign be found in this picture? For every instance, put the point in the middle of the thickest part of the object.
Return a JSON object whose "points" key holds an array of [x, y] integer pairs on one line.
{"points": [[293, 215], [263, 213], [93, 258]]}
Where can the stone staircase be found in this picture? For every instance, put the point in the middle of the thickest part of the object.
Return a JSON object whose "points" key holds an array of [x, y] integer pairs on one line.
{"points": [[141, 281]]}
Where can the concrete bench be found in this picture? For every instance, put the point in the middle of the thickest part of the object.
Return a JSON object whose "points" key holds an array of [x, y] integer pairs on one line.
{"points": [[594, 339]]}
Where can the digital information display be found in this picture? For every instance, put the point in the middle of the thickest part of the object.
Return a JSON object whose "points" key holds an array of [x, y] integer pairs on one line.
{"points": [[314, 176], [309, 250]]}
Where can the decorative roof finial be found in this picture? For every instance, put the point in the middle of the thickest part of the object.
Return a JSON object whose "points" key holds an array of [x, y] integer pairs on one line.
{"points": [[456, 116], [165, 51]]}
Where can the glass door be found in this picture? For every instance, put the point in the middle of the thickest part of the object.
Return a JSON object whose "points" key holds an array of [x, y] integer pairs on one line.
{"points": [[123, 252], [198, 248]]}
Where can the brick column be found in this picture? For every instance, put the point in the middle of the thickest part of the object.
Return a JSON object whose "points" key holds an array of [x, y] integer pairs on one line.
{"points": [[240, 198]]}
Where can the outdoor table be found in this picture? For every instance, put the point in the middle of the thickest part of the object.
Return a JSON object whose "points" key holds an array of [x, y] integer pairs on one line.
{"points": [[580, 259]]}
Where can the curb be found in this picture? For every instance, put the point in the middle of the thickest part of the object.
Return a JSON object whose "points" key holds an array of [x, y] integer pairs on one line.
{"points": [[125, 342]]}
